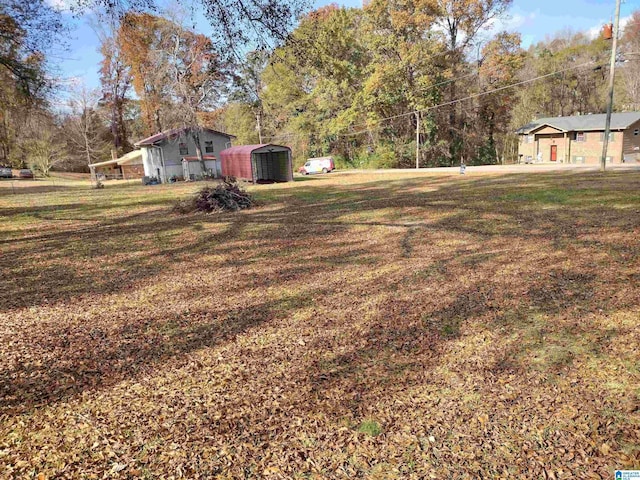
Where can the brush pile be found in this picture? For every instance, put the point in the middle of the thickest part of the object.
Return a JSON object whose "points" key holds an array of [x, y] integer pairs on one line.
{"points": [[227, 196]]}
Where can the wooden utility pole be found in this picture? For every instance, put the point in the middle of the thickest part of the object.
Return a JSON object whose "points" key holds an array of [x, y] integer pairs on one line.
{"points": [[417, 139], [612, 74]]}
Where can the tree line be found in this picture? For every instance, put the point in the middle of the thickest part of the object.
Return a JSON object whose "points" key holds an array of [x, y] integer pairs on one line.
{"points": [[398, 83]]}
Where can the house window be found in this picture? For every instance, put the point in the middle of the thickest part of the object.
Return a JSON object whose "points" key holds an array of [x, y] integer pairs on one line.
{"points": [[611, 136], [580, 137], [184, 150], [208, 147], [636, 132], [530, 138], [577, 159]]}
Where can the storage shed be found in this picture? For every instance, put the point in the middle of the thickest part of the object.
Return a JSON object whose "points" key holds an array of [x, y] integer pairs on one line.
{"points": [[258, 163]]}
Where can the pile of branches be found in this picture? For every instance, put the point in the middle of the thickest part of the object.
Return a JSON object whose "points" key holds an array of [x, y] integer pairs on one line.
{"points": [[226, 196]]}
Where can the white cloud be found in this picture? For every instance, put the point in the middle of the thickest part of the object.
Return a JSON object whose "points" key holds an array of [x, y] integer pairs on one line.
{"points": [[60, 5], [509, 23]]}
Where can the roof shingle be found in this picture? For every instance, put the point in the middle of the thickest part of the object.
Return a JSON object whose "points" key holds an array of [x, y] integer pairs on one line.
{"points": [[577, 123]]}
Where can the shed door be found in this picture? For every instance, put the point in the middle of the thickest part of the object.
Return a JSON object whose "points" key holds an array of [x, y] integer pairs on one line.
{"points": [[554, 153]]}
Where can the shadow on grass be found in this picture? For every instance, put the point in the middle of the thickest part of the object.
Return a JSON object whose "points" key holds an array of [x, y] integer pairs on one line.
{"points": [[96, 358], [458, 249]]}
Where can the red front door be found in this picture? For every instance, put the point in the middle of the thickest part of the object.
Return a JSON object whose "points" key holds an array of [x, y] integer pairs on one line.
{"points": [[554, 153]]}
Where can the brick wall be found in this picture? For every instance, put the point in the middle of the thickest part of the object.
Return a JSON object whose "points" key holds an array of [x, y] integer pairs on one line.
{"points": [[544, 146], [526, 149], [133, 171], [591, 149]]}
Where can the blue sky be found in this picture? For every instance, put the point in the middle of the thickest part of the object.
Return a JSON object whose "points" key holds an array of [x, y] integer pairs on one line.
{"points": [[535, 20]]}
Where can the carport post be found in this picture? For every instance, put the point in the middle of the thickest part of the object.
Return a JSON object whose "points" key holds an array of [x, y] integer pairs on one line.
{"points": [[254, 167], [290, 166]]}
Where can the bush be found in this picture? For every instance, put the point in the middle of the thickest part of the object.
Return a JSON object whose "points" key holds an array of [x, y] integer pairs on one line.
{"points": [[226, 196], [383, 156]]}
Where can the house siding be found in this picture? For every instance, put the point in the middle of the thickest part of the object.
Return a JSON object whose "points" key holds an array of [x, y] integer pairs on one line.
{"points": [[631, 144], [173, 158]]}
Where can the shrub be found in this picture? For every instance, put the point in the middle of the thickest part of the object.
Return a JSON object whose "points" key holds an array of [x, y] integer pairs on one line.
{"points": [[226, 196]]}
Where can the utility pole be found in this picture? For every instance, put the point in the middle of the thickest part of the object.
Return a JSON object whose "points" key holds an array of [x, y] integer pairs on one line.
{"points": [[417, 139], [612, 74]]}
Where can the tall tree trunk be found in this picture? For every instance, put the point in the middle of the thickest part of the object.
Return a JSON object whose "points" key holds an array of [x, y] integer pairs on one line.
{"points": [[259, 124], [195, 134]]}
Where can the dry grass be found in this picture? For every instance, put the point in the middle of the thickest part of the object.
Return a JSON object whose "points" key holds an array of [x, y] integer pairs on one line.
{"points": [[353, 326]]}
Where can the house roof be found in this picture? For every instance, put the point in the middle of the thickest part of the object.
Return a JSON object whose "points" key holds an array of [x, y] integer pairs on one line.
{"points": [[195, 159], [153, 139], [104, 164], [130, 157], [577, 123], [248, 149], [126, 158]]}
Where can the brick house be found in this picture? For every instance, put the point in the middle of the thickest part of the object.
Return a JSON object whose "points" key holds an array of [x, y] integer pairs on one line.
{"points": [[578, 139]]}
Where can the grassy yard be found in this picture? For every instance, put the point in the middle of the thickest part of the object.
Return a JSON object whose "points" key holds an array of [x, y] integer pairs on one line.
{"points": [[351, 326]]}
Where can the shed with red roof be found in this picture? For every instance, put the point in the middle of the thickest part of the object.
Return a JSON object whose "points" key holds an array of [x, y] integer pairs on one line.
{"points": [[258, 163]]}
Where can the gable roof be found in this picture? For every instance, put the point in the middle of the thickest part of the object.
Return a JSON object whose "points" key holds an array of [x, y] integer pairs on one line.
{"points": [[248, 149], [158, 137], [577, 123]]}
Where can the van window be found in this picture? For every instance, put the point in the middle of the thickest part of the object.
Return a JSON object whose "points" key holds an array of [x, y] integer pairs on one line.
{"points": [[308, 164]]}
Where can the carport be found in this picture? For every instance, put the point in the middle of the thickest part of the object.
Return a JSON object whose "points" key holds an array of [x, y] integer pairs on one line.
{"points": [[258, 163]]}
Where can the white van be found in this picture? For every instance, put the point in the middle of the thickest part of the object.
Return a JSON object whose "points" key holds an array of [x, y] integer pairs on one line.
{"points": [[317, 165]]}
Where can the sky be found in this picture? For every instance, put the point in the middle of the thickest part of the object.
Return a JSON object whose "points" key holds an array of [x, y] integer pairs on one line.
{"points": [[535, 20]]}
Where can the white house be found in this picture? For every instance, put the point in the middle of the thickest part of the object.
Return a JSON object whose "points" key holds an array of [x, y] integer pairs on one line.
{"points": [[172, 154]]}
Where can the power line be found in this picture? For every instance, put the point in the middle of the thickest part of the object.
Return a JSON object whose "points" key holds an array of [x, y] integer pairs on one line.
{"points": [[452, 102], [424, 89], [477, 95]]}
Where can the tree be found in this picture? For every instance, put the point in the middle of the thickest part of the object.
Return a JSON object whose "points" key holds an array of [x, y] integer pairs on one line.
{"points": [[143, 42], [197, 74], [28, 29], [236, 23], [249, 86], [630, 69], [461, 21], [83, 127], [239, 118], [502, 60], [42, 147], [115, 80]]}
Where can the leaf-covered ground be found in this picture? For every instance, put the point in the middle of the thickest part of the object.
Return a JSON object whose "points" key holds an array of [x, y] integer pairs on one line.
{"points": [[352, 326]]}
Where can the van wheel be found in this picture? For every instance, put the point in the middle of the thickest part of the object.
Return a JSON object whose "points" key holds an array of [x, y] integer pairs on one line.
{"points": [[324, 170]]}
